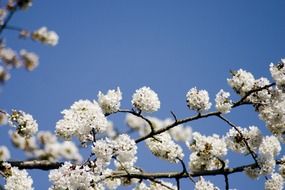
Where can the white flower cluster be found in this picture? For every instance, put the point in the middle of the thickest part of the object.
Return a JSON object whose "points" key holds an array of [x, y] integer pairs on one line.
{"points": [[268, 150], [278, 73], [4, 75], [282, 167], [145, 99], [235, 140], [26, 125], [111, 183], [82, 117], [198, 100], [181, 133], [12, 59], [206, 152], [164, 147], [260, 97], [3, 117], [9, 57], [273, 114], [17, 179], [103, 149], [46, 147], [203, 184], [241, 81], [134, 122], [4, 153], [270, 147], [30, 60], [28, 144], [123, 148], [74, 177], [223, 103], [46, 37], [275, 183], [110, 102]]}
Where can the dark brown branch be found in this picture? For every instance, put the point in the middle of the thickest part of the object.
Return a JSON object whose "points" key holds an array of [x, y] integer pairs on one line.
{"points": [[46, 165], [178, 122], [227, 181], [35, 164], [8, 18], [242, 100], [138, 114]]}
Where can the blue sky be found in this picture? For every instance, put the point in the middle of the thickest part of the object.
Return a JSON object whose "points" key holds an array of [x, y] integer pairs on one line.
{"points": [[168, 45]]}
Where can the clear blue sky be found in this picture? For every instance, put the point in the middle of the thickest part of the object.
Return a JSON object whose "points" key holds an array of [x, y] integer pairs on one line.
{"points": [[168, 45]]}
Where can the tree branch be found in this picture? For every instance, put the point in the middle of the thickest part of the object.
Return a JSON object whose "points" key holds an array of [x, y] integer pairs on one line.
{"points": [[34, 164], [8, 18]]}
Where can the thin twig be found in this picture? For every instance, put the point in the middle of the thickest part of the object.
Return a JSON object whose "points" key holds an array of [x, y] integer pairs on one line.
{"points": [[8, 18], [227, 181]]}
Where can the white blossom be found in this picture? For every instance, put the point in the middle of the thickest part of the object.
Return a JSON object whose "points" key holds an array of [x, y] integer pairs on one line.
{"points": [[111, 183], [270, 146], [3, 116], [4, 75], [46, 137], [44, 36], [141, 186], [25, 123], [266, 164], [134, 122], [241, 81], [145, 99], [103, 149], [164, 147], [272, 113], [125, 150], [181, 133], [278, 73], [27, 144], [110, 102], [261, 97], [69, 151], [9, 57], [203, 184], [30, 59], [73, 177], [80, 119], [18, 180], [208, 146], [4, 153], [275, 183], [202, 163], [198, 100], [236, 142], [223, 103]]}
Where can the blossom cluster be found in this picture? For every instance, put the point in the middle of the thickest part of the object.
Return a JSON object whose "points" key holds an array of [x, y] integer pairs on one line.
{"points": [[198, 100], [115, 153], [17, 179], [24, 122], [145, 99], [207, 152], [82, 117], [11, 59]]}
